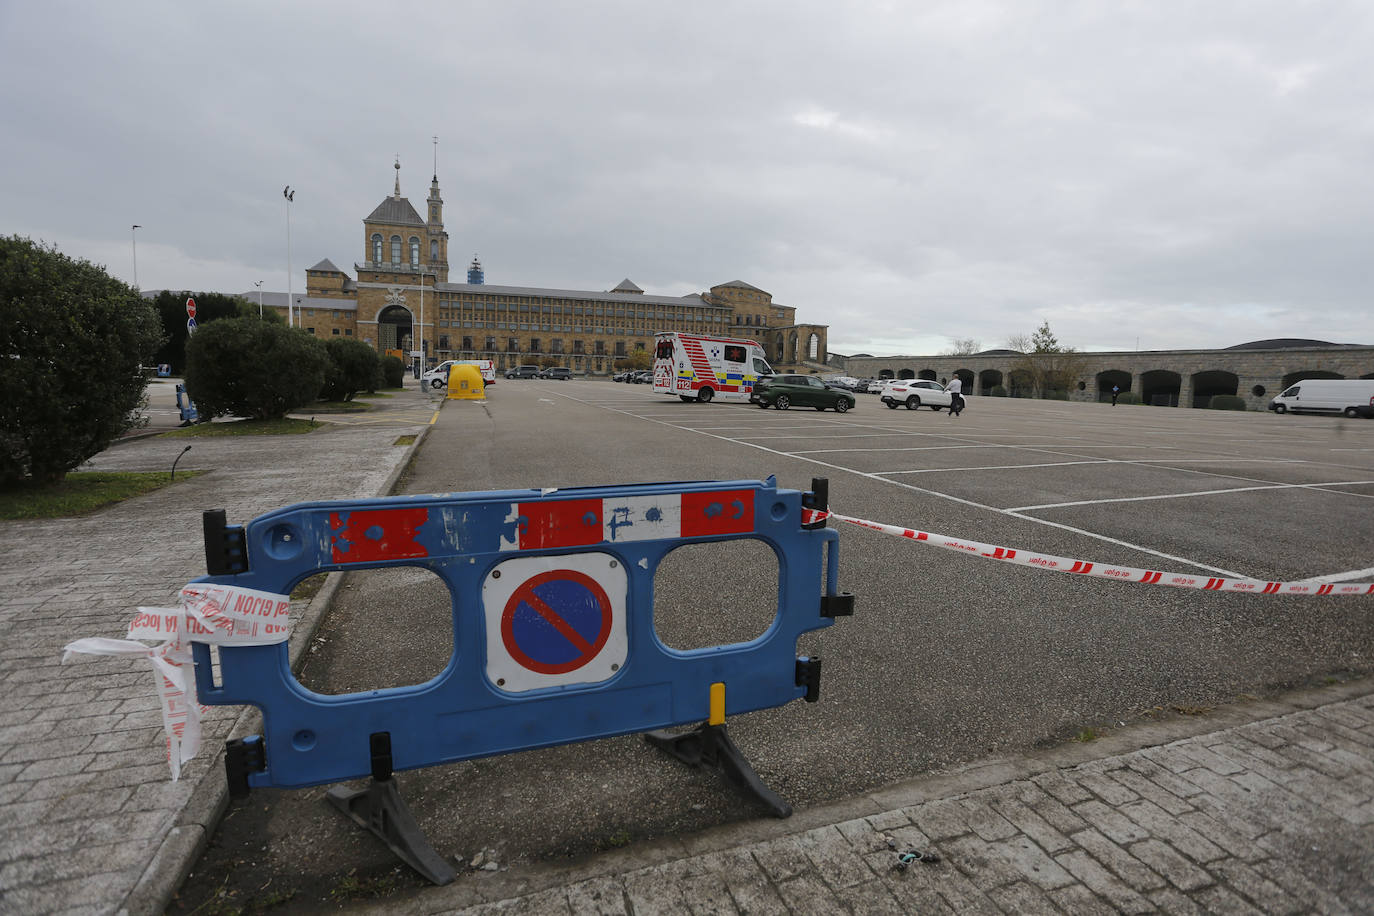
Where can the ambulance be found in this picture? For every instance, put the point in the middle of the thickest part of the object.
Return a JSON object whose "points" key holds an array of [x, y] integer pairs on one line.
{"points": [[707, 368]]}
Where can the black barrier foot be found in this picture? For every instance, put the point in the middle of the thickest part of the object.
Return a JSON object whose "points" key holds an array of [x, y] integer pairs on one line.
{"points": [[710, 745], [380, 809]]}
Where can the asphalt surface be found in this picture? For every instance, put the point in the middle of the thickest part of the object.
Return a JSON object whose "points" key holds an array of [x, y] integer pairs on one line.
{"points": [[949, 659]]}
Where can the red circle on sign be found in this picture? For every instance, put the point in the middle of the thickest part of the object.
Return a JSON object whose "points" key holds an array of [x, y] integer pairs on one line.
{"points": [[586, 649], [191, 308]]}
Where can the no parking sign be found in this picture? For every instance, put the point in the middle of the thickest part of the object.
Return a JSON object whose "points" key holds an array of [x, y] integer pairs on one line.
{"points": [[552, 621]]}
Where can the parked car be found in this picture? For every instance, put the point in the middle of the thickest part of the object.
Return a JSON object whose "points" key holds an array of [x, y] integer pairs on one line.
{"points": [[557, 372], [784, 391], [523, 372], [642, 377], [621, 376], [436, 377], [915, 393]]}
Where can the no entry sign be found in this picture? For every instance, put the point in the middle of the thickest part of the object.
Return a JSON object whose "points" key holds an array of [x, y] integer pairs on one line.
{"points": [[555, 621]]}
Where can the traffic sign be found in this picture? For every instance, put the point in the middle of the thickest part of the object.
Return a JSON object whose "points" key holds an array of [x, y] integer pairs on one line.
{"points": [[190, 326], [555, 621], [190, 308]]}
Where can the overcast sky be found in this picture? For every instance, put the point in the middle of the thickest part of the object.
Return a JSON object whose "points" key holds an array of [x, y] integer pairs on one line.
{"points": [[1142, 175]]}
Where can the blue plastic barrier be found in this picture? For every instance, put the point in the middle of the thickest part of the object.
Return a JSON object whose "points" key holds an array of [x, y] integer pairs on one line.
{"points": [[554, 639]]}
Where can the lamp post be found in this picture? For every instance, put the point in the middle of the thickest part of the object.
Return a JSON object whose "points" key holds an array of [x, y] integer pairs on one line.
{"points": [[133, 240], [290, 195], [258, 284]]}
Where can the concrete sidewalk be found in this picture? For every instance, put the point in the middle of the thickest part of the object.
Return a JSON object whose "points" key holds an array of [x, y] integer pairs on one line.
{"points": [[89, 820], [1264, 807]]}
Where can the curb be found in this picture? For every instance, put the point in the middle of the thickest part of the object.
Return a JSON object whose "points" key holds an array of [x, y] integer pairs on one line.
{"points": [[186, 842]]}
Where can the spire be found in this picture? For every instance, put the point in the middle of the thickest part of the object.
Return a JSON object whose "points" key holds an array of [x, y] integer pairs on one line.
{"points": [[398, 176]]}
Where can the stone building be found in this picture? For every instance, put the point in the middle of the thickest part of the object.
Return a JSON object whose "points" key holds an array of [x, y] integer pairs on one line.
{"points": [[402, 301], [1191, 378]]}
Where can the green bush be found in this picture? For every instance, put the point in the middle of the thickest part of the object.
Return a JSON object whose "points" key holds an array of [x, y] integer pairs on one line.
{"points": [[244, 367], [73, 344], [353, 368], [998, 391], [1226, 402], [1128, 397], [393, 372]]}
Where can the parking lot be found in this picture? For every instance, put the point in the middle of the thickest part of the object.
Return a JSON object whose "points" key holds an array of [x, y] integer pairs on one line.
{"points": [[949, 658]]}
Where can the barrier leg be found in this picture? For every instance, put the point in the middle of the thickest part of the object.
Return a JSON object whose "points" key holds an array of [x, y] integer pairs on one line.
{"points": [[711, 745], [380, 809]]}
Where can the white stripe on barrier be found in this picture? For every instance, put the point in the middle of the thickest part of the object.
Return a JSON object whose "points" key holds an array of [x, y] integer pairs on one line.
{"points": [[1101, 570], [222, 615]]}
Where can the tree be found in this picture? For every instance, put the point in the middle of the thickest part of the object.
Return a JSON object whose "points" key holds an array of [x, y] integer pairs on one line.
{"points": [[354, 367], [1052, 367], [963, 346], [639, 358], [171, 307], [73, 344], [393, 372], [249, 368]]}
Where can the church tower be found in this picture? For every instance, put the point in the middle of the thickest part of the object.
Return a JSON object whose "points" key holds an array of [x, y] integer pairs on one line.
{"points": [[436, 237]]}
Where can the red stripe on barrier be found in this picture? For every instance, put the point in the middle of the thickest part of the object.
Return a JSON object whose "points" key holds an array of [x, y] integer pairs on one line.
{"points": [[1325, 589], [1081, 567], [377, 534], [717, 512], [560, 523], [1271, 587]]}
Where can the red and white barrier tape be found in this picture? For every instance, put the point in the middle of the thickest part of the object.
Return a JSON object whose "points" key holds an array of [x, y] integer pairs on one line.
{"points": [[222, 615], [1102, 570]]}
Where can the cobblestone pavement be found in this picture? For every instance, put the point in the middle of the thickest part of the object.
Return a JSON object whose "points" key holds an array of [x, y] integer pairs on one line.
{"points": [[1274, 816], [89, 821]]}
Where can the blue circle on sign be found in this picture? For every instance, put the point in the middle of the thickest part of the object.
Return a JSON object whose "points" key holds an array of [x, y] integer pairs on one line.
{"points": [[556, 622], [190, 324]]}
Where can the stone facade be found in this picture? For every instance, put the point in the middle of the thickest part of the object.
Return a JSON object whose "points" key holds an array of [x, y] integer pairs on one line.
{"points": [[402, 301], [1187, 378]]}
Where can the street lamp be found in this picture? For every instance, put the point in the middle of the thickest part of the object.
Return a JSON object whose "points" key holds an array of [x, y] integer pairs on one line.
{"points": [[258, 284], [290, 195], [133, 239]]}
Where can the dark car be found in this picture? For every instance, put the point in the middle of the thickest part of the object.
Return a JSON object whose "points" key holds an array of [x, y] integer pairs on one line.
{"points": [[557, 372], [523, 372], [784, 391]]}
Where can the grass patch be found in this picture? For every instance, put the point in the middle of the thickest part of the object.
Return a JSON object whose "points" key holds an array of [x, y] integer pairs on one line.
{"points": [[79, 494], [404, 440], [285, 426], [308, 588], [374, 394], [1087, 734]]}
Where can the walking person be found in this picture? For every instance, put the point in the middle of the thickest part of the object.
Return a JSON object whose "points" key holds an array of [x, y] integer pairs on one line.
{"points": [[956, 397], [1116, 389]]}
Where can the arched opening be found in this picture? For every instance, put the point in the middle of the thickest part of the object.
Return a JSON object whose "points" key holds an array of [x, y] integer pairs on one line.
{"points": [[965, 377], [813, 347], [1160, 387], [393, 330], [927, 375], [1109, 379], [1020, 384], [989, 379], [905, 373], [414, 251], [1293, 378], [885, 374], [395, 249], [1213, 382], [376, 248]]}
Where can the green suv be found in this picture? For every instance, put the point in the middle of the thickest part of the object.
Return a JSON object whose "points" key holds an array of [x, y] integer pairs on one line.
{"points": [[784, 391]]}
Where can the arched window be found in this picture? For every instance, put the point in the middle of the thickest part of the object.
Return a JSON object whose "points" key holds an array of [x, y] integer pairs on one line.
{"points": [[414, 252], [376, 248], [434, 249], [395, 249]]}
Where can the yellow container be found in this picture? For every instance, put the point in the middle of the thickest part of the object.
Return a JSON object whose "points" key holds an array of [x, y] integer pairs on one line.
{"points": [[465, 384]]}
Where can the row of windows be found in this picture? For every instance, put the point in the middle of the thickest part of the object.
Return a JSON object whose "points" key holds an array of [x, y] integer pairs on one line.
{"points": [[536, 346], [347, 332], [396, 249], [502, 306]]}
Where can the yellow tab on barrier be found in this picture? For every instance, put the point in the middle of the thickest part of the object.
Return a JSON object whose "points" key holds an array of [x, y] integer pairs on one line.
{"points": [[717, 704]]}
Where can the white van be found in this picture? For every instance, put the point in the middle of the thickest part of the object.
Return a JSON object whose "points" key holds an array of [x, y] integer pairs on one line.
{"points": [[1353, 397], [438, 376], [697, 368]]}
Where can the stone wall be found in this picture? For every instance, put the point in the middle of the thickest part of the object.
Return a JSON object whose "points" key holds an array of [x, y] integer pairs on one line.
{"points": [[1259, 374]]}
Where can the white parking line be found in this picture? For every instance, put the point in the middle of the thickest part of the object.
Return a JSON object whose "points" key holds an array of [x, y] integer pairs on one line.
{"points": [[997, 467], [1136, 499], [935, 493], [1341, 576]]}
